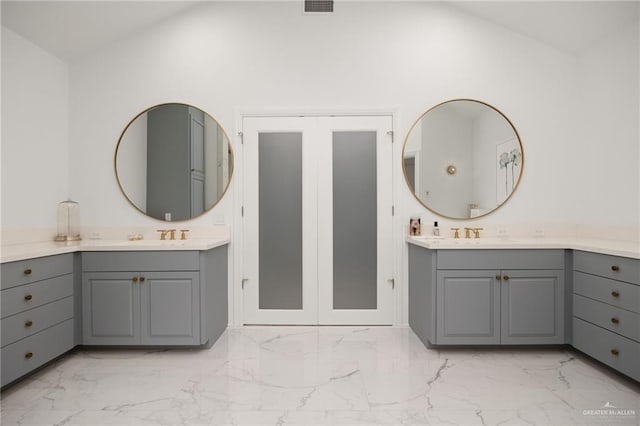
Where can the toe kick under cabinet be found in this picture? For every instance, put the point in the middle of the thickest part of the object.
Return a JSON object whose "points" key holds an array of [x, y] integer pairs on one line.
{"points": [[157, 298], [37, 313], [606, 310], [486, 297]]}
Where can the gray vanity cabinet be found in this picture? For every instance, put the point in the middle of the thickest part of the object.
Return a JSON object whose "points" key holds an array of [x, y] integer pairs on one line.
{"points": [[606, 310], [161, 298], [486, 297], [142, 308], [111, 308], [468, 307], [37, 312]]}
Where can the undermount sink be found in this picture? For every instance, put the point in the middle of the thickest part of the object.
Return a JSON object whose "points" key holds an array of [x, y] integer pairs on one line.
{"points": [[146, 243], [466, 241]]}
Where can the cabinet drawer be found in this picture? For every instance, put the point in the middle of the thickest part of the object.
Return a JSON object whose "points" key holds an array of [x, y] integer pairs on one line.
{"points": [[33, 321], [32, 270], [600, 344], [606, 316], [141, 261], [29, 296], [23, 356], [500, 259], [618, 268], [613, 292]]}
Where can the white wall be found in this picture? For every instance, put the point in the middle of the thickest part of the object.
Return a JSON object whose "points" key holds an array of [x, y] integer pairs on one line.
{"points": [[35, 135], [604, 161], [407, 55]]}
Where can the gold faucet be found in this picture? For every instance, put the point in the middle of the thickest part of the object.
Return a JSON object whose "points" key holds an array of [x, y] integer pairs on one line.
{"points": [[172, 234], [476, 231], [456, 234], [183, 234], [467, 232]]}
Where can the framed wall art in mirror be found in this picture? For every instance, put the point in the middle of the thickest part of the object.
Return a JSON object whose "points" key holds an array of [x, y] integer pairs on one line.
{"points": [[173, 162], [462, 159]]}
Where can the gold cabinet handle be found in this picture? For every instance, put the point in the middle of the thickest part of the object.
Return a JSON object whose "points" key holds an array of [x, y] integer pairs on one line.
{"points": [[134, 279], [28, 355], [28, 323], [498, 277], [28, 271], [28, 297], [506, 278], [141, 279], [615, 268], [615, 293], [615, 352], [615, 320]]}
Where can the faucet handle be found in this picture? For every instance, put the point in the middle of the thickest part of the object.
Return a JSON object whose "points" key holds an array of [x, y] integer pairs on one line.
{"points": [[476, 231], [456, 234], [163, 233], [467, 232], [183, 234]]}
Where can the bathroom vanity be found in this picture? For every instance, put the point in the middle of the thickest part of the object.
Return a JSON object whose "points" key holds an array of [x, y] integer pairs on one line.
{"points": [[535, 293], [37, 313], [110, 294]]}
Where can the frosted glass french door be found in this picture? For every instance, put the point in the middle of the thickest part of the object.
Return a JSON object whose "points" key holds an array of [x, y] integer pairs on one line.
{"points": [[317, 220]]}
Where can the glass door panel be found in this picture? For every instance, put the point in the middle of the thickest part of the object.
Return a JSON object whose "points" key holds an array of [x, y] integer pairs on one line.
{"points": [[355, 245], [280, 220]]}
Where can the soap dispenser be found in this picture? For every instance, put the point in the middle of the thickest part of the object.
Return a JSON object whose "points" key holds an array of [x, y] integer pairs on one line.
{"points": [[68, 221], [436, 230]]}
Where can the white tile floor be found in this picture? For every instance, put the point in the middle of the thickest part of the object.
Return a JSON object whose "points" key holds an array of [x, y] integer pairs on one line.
{"points": [[321, 376]]}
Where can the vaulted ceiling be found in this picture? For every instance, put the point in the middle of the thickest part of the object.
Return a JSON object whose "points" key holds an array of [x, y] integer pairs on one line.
{"points": [[72, 29]]}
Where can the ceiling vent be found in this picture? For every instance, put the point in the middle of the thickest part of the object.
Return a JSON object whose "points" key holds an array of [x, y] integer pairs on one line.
{"points": [[318, 6]]}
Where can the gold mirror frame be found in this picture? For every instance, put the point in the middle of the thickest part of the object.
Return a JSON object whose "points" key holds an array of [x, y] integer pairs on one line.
{"points": [[451, 169], [231, 162]]}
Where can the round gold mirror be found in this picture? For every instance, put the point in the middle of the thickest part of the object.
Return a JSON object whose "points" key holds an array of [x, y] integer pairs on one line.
{"points": [[173, 162], [462, 159]]}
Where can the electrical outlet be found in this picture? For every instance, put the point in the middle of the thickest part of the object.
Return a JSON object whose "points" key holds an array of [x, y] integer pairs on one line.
{"points": [[502, 231], [95, 235], [538, 233]]}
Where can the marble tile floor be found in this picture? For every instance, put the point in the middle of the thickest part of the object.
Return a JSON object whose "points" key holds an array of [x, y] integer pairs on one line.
{"points": [[322, 376]]}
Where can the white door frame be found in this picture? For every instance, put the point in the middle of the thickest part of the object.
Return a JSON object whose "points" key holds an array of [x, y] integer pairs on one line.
{"points": [[236, 300]]}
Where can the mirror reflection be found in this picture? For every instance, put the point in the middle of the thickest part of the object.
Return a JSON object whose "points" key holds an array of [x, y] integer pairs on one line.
{"points": [[462, 159], [173, 162]]}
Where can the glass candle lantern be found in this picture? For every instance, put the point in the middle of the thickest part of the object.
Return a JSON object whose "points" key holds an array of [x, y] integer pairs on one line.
{"points": [[68, 221]]}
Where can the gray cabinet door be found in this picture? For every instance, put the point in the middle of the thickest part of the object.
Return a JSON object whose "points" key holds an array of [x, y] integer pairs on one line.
{"points": [[532, 307], [170, 308], [468, 304], [111, 308]]}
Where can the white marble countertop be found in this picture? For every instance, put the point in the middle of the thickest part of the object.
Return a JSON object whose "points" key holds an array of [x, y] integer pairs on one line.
{"points": [[13, 252], [612, 247]]}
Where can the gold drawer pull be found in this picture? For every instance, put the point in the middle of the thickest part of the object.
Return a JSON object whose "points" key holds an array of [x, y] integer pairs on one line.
{"points": [[28, 355], [28, 323], [134, 279], [614, 293], [615, 320], [28, 271], [615, 352], [141, 279], [498, 277], [506, 278], [615, 268], [28, 297]]}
